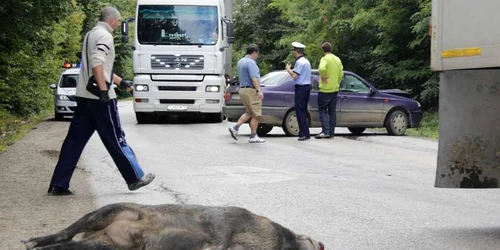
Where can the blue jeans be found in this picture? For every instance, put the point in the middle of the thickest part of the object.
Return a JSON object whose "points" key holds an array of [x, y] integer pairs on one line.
{"points": [[302, 93], [327, 102]]}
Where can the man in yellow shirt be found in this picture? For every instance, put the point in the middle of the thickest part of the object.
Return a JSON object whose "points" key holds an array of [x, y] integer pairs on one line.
{"points": [[331, 73]]}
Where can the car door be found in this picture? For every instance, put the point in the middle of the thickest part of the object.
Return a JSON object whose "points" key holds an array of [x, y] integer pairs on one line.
{"points": [[357, 106]]}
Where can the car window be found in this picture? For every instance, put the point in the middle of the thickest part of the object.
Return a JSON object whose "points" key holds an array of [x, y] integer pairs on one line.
{"points": [[274, 78], [352, 84], [69, 81]]}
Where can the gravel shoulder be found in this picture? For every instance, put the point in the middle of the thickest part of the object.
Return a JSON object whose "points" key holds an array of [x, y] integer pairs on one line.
{"points": [[26, 168]]}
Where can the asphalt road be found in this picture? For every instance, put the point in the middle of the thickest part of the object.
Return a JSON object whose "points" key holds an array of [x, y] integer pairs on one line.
{"points": [[367, 192]]}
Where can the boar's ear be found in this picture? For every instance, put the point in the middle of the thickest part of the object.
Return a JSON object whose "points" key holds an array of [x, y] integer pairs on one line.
{"points": [[306, 243]]}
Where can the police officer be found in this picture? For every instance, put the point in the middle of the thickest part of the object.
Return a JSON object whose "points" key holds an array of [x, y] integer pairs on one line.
{"points": [[301, 74]]}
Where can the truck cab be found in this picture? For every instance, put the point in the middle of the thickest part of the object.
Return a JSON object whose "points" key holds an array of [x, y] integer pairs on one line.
{"points": [[65, 90], [181, 57]]}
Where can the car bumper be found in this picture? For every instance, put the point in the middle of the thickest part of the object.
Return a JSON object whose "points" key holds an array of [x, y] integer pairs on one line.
{"points": [[416, 117], [65, 107], [270, 115]]}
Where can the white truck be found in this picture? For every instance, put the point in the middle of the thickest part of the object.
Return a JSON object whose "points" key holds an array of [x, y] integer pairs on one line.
{"points": [[466, 52], [181, 57]]}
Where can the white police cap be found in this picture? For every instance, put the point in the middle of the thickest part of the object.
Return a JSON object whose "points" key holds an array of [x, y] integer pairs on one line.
{"points": [[298, 45]]}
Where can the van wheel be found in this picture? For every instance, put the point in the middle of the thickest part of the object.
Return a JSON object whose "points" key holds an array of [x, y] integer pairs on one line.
{"points": [[142, 117], [397, 123], [356, 131], [290, 124], [264, 129]]}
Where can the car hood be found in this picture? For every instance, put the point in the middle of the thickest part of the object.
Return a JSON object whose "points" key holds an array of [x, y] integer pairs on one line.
{"points": [[397, 92]]}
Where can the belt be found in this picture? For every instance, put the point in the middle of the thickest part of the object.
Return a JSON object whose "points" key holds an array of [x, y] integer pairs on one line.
{"points": [[246, 87]]}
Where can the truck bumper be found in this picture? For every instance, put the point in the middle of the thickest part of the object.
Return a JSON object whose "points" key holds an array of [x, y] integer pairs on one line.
{"points": [[178, 96]]}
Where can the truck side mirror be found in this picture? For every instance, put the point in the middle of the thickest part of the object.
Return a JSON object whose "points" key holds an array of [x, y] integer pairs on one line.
{"points": [[125, 29], [230, 33], [125, 32]]}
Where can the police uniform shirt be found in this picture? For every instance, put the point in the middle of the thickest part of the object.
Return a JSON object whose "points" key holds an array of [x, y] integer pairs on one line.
{"points": [[303, 69]]}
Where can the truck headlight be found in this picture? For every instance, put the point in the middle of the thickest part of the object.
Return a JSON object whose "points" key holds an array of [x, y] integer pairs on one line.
{"points": [[141, 87], [212, 88], [62, 98]]}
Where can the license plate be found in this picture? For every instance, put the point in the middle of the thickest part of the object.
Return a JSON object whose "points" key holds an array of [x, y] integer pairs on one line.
{"points": [[235, 96], [176, 108]]}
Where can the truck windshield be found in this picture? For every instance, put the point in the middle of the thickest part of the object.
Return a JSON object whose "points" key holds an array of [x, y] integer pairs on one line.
{"points": [[177, 25]]}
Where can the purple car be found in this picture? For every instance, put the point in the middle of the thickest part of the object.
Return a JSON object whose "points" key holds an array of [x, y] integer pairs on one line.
{"points": [[359, 105]]}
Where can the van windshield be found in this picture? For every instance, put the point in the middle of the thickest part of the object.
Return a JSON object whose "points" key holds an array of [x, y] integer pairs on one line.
{"points": [[69, 81], [177, 25]]}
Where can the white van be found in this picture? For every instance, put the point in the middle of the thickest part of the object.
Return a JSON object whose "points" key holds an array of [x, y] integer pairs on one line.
{"points": [[65, 90]]}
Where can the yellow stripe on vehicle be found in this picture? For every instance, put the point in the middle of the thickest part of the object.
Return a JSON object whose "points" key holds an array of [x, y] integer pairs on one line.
{"points": [[461, 52]]}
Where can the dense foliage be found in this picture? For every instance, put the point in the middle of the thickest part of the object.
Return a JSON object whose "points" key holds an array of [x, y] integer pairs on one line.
{"points": [[385, 41]]}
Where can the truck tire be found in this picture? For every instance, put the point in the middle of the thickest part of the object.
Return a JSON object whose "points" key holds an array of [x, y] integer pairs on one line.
{"points": [[215, 117], [264, 129], [397, 123], [142, 117]]}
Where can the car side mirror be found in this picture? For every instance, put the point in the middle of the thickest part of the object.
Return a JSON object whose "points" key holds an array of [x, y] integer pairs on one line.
{"points": [[372, 92], [52, 86]]}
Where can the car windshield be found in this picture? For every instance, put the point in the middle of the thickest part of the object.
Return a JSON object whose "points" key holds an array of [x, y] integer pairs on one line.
{"points": [[177, 25], [69, 81], [274, 78]]}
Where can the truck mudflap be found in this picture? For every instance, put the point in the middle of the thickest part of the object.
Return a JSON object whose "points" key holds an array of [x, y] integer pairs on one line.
{"points": [[469, 129]]}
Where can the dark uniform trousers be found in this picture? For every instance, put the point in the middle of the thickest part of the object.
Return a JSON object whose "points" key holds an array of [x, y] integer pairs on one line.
{"points": [[302, 93], [91, 115]]}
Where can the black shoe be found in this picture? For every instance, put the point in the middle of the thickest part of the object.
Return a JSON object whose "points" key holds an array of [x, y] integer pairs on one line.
{"points": [[304, 138], [143, 182], [56, 191]]}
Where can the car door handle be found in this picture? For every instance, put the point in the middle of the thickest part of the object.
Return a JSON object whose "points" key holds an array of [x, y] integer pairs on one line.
{"points": [[345, 98]]}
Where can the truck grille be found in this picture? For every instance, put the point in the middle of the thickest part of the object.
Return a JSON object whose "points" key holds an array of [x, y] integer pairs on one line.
{"points": [[176, 101], [176, 88], [177, 62]]}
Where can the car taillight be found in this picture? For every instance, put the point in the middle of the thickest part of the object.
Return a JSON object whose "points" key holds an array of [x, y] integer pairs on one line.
{"points": [[227, 97]]}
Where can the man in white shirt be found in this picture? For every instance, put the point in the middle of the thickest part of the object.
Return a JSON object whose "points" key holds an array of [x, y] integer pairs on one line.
{"points": [[97, 110]]}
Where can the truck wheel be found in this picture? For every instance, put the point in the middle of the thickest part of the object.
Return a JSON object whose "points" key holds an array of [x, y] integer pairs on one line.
{"points": [[290, 124], [264, 129], [142, 117], [356, 131], [397, 123], [215, 117]]}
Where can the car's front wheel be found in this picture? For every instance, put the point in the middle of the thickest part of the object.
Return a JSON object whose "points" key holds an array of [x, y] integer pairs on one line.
{"points": [[59, 117], [290, 124], [397, 123], [264, 129], [356, 131]]}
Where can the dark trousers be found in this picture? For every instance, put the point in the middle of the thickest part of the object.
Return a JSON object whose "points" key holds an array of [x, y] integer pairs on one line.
{"points": [[302, 93], [327, 102], [91, 115]]}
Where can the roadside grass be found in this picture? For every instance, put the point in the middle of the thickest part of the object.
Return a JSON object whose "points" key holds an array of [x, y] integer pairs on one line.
{"points": [[429, 126], [14, 128]]}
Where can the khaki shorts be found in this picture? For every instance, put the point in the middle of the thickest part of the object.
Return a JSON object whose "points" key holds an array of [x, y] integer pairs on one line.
{"points": [[250, 99]]}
